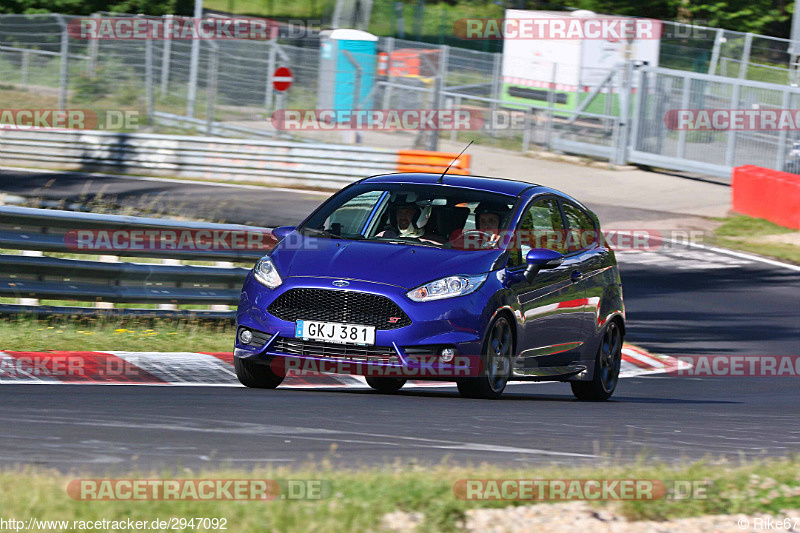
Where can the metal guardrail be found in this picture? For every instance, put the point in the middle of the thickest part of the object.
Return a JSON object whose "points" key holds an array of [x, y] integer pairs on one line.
{"points": [[34, 276], [318, 165]]}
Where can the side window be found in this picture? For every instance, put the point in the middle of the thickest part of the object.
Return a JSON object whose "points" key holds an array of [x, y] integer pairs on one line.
{"points": [[540, 227], [582, 232], [350, 216]]}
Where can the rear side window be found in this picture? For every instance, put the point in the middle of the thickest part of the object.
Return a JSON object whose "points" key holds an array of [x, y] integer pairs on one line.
{"points": [[582, 232]]}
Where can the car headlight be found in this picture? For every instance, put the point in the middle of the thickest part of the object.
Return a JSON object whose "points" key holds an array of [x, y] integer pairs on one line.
{"points": [[448, 287], [266, 273]]}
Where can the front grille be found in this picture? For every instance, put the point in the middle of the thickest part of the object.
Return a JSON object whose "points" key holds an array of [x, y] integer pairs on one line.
{"points": [[292, 346], [339, 306]]}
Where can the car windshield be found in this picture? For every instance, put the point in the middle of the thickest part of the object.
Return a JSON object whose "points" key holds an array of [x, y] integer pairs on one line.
{"points": [[403, 214]]}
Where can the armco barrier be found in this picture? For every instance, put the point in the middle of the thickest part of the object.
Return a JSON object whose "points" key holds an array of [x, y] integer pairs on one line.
{"points": [[105, 281], [769, 194], [318, 165]]}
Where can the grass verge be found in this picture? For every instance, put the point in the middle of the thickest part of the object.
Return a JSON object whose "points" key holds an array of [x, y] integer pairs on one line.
{"points": [[759, 236], [127, 334], [357, 500]]}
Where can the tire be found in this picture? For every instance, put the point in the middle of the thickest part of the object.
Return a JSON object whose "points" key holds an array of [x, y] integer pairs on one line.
{"points": [[386, 385], [606, 368], [497, 353], [255, 375]]}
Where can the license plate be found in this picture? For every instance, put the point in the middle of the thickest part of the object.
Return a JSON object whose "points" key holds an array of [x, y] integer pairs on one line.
{"points": [[335, 332]]}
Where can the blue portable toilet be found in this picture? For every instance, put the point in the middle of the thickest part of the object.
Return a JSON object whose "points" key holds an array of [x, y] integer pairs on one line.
{"points": [[338, 76]]}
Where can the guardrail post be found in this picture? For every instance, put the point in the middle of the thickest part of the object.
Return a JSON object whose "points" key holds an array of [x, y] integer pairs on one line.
{"points": [[165, 58], [222, 307], [63, 78], [169, 307], [106, 259], [30, 301]]}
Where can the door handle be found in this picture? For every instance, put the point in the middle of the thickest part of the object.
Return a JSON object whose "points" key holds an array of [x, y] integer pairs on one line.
{"points": [[577, 275]]}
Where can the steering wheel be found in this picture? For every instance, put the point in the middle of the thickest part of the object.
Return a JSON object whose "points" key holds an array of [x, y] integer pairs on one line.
{"points": [[484, 238]]}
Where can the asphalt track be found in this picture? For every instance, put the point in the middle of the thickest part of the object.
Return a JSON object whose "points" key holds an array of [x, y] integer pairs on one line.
{"points": [[679, 302]]}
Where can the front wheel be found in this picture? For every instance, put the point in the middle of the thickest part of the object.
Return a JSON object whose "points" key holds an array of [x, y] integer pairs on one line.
{"points": [[255, 375], [606, 368], [386, 385], [498, 351]]}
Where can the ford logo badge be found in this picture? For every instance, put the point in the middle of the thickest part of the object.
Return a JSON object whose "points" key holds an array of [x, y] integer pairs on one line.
{"points": [[341, 283]]}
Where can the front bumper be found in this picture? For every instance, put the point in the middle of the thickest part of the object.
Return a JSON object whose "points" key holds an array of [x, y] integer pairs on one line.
{"points": [[411, 351]]}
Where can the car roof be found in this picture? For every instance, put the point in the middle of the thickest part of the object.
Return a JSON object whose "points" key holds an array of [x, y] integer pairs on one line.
{"points": [[482, 183]]}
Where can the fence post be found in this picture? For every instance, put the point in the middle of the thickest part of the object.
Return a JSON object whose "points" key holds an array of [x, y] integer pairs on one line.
{"points": [[621, 150], [165, 58], [748, 45], [93, 47], [64, 70], [273, 50], [194, 61], [551, 102], [444, 52], [387, 93], [783, 134], [687, 85], [526, 133], [26, 57], [211, 95], [148, 78], [731, 147], [712, 66]]}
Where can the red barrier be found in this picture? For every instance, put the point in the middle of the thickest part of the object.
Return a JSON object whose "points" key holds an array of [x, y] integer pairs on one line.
{"points": [[769, 194]]}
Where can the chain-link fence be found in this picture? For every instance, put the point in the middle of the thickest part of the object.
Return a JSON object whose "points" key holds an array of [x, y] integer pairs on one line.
{"points": [[231, 86]]}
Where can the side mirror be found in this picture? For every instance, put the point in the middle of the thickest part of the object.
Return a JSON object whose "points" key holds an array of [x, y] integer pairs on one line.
{"points": [[281, 232], [541, 259]]}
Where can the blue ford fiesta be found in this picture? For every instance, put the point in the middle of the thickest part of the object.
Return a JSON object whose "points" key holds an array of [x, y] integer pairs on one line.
{"points": [[452, 278]]}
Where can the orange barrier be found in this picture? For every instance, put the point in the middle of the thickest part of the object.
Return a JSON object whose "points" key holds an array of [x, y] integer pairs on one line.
{"points": [[409, 62], [425, 161], [769, 194]]}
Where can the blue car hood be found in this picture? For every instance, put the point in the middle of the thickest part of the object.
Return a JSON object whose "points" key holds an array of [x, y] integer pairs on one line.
{"points": [[396, 264]]}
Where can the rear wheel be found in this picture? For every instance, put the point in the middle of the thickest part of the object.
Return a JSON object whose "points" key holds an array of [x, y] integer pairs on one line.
{"points": [[255, 375], [498, 351], [606, 368], [386, 385]]}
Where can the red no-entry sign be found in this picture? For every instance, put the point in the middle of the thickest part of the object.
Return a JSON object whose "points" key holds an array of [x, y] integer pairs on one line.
{"points": [[282, 79]]}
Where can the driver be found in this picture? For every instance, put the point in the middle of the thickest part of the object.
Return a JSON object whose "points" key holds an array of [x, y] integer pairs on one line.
{"points": [[488, 218]]}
